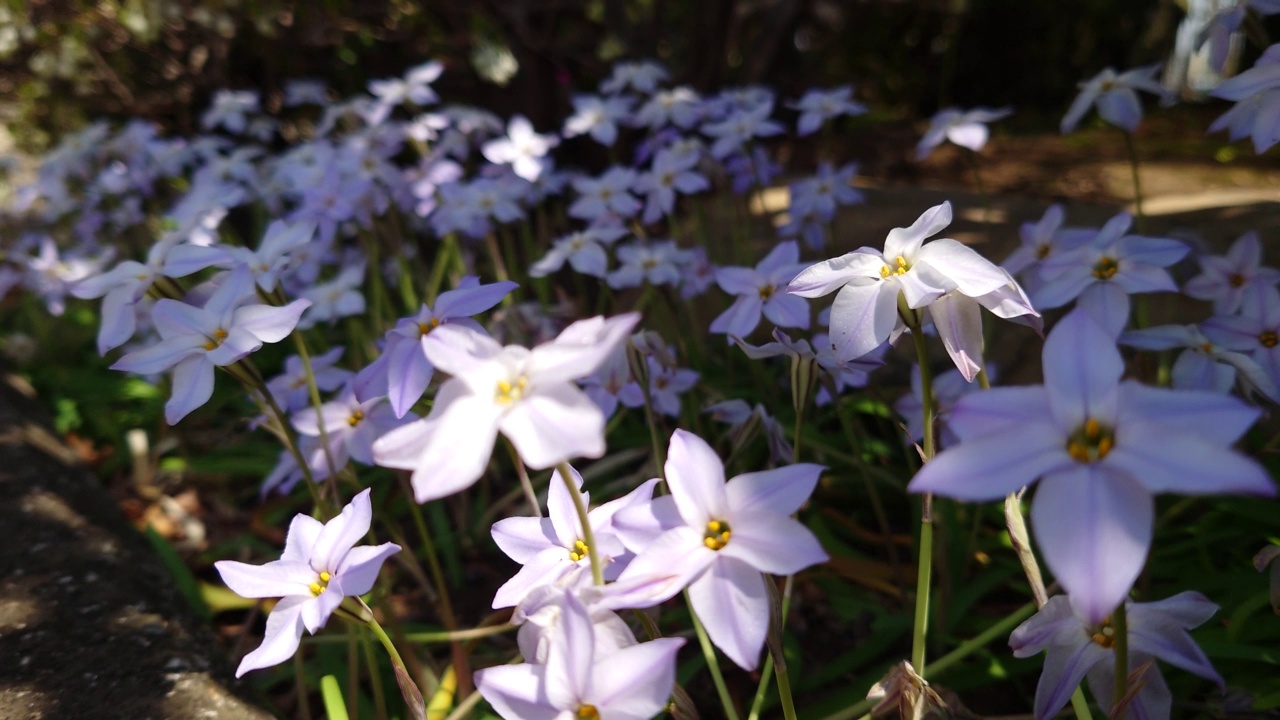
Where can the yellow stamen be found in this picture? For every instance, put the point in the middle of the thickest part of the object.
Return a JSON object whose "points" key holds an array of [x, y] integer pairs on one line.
{"points": [[218, 336], [509, 392], [1105, 268], [355, 418], [766, 292], [588, 712], [1269, 338], [1091, 442], [316, 589], [1105, 635], [1236, 280], [428, 326], [578, 551], [1043, 251], [717, 534]]}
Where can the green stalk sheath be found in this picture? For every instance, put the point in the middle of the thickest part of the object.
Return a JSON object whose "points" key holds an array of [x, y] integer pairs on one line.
{"points": [[1120, 626], [712, 666], [588, 537], [925, 572], [1140, 218]]}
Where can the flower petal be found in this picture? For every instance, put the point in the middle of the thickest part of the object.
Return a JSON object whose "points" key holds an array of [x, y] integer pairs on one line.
{"points": [[773, 543], [862, 318], [828, 276], [341, 533], [730, 600], [990, 467], [1094, 530], [695, 476], [359, 568], [281, 639], [553, 425], [635, 682]]}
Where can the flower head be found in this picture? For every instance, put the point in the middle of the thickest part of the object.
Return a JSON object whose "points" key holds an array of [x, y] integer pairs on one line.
{"points": [[1114, 94], [319, 567], [1078, 647]]}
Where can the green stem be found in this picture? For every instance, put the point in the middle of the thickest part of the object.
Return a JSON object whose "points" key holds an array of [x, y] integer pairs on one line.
{"points": [[1140, 218], [526, 484], [375, 678], [433, 559], [1080, 705], [977, 180], [588, 537], [713, 667], [1120, 627], [924, 575]]}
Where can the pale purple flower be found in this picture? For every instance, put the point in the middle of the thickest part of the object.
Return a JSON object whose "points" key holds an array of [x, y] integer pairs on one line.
{"points": [[350, 426], [1101, 449], [1256, 330], [290, 389], [1256, 92], [1101, 274], [655, 262], [839, 374], [759, 291], [719, 537], [597, 117], [53, 275], [672, 172], [606, 384], [527, 395], [193, 340], [522, 148], [744, 420], [679, 106], [1115, 96], [739, 128], [403, 371], [266, 264], [1224, 279], [230, 110], [696, 273], [666, 384], [550, 547], [320, 566], [577, 681], [642, 76], [1080, 647], [1203, 364], [947, 278], [414, 87], [584, 250], [608, 194], [966, 128], [818, 106], [335, 298], [1040, 240], [948, 388]]}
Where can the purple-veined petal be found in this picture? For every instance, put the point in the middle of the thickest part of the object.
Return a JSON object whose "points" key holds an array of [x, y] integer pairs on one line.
{"points": [[781, 490], [521, 538], [457, 447], [1094, 529], [772, 542], [830, 275], [456, 348], [1064, 668], [118, 320], [1053, 624], [862, 318], [971, 273], [408, 374], [730, 600], [1079, 106], [270, 324], [192, 387], [571, 656], [990, 467], [359, 568], [740, 318], [554, 424], [303, 531], [905, 242], [1194, 370], [1120, 107], [1186, 464], [561, 509], [591, 260], [787, 311], [642, 523], [1174, 646], [695, 476], [1161, 337], [1108, 304], [544, 568], [1151, 411], [958, 320], [1000, 409], [465, 302], [341, 533], [161, 356], [739, 280], [281, 639], [635, 683], [174, 318], [277, 579], [1082, 370], [516, 691], [667, 564]]}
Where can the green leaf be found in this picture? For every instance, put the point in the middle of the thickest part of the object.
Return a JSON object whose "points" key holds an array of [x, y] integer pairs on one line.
{"points": [[334, 706]]}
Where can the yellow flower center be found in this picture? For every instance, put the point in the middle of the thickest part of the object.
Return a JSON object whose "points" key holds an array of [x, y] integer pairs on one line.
{"points": [[1236, 280], [218, 336], [766, 292], [1104, 635], [1043, 251], [1269, 338], [649, 264], [322, 585], [509, 392], [886, 271], [1091, 443], [578, 551], [428, 326], [1105, 268], [717, 534], [588, 712], [356, 418]]}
